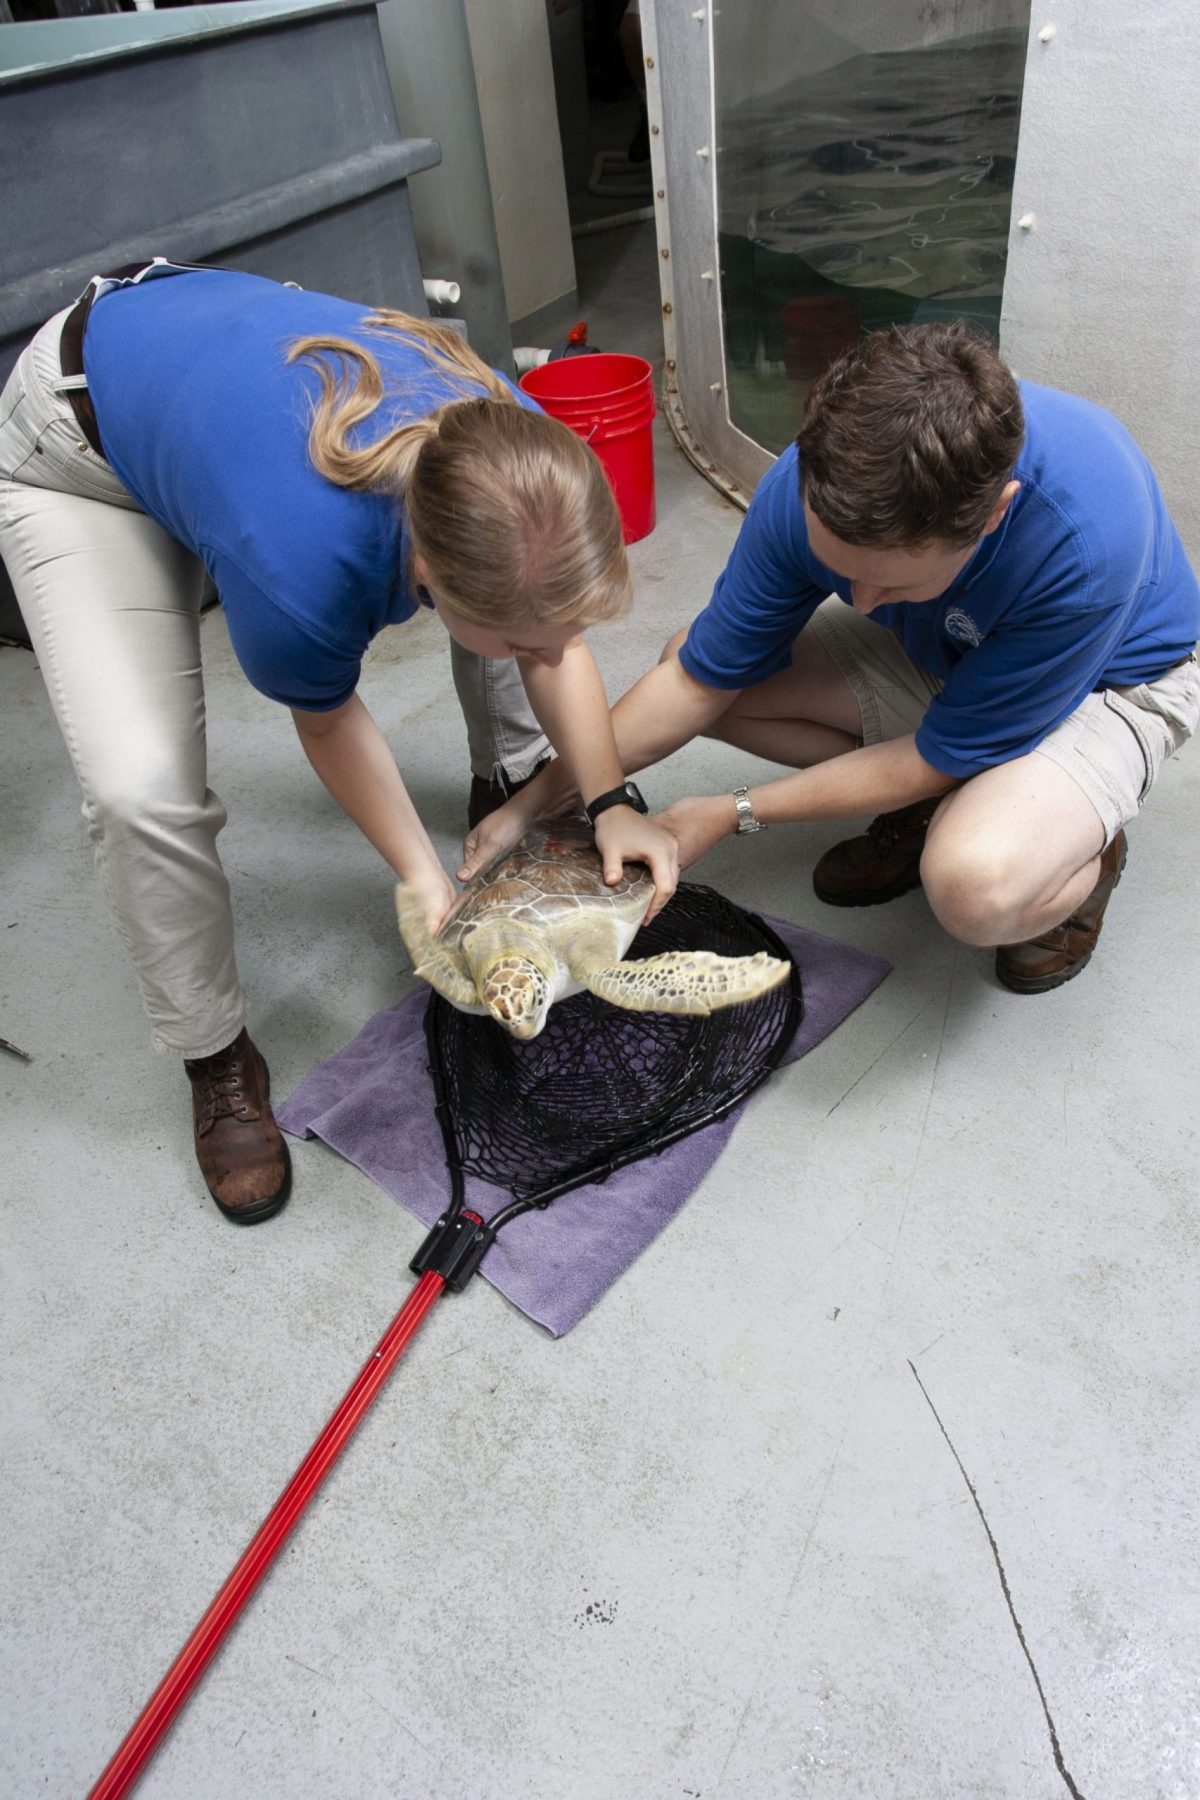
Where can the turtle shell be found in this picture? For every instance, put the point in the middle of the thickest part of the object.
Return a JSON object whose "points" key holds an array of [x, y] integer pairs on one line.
{"points": [[553, 878]]}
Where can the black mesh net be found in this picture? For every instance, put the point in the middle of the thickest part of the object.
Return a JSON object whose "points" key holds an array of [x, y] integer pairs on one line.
{"points": [[600, 1086]]}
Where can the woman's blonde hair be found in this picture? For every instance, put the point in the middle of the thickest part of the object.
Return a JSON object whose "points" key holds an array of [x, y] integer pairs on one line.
{"points": [[510, 512]]}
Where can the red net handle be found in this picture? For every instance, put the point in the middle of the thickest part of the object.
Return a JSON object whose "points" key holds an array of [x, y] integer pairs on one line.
{"points": [[173, 1690]]}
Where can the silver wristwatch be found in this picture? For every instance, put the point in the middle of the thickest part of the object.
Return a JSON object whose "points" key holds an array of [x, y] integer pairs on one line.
{"points": [[745, 812]]}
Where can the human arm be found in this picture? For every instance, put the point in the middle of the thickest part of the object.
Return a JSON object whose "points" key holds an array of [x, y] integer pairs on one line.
{"points": [[664, 710], [352, 758], [998, 702], [568, 698], [876, 778], [763, 597]]}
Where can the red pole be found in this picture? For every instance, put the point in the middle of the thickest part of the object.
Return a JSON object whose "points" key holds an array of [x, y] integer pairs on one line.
{"points": [[172, 1691]]}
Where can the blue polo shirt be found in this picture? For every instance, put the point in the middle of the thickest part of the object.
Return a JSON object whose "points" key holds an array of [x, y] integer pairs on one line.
{"points": [[1084, 585], [207, 424]]}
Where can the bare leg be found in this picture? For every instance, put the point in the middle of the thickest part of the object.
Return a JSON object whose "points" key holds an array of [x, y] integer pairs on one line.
{"points": [[1012, 853], [797, 743], [803, 715]]}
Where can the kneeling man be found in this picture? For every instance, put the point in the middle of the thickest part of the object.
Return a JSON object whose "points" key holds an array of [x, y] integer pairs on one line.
{"points": [[957, 601]]}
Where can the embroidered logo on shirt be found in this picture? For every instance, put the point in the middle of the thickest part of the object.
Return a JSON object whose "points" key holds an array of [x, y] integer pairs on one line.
{"points": [[962, 627]]}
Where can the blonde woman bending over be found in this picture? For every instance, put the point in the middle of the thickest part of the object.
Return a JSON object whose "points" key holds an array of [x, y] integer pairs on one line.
{"points": [[331, 469]]}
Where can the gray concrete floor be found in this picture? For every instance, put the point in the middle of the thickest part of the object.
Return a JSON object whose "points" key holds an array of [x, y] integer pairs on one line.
{"points": [[714, 1543]]}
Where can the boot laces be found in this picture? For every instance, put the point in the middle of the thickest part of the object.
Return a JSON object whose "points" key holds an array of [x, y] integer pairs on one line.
{"points": [[889, 827], [222, 1092]]}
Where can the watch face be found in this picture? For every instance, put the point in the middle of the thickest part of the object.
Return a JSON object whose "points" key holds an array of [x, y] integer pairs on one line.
{"points": [[627, 794]]}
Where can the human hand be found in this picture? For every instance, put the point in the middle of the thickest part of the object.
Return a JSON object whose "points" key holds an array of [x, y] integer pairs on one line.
{"points": [[697, 823], [545, 797], [436, 893], [496, 834], [623, 835]]}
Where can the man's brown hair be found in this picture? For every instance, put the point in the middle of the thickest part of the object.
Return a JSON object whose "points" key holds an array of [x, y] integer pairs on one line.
{"points": [[910, 437]]}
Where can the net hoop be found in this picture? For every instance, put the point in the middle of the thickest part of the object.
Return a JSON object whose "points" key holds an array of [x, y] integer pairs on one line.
{"points": [[602, 1087]]}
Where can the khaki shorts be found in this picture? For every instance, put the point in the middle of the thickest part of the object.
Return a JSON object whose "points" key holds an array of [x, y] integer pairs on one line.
{"points": [[1112, 746]]}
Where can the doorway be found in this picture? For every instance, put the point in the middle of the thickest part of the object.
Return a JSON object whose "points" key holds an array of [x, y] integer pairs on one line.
{"points": [[604, 134]]}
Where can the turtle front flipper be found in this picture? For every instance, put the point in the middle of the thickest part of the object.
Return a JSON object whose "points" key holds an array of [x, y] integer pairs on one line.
{"points": [[443, 969], [692, 982]]}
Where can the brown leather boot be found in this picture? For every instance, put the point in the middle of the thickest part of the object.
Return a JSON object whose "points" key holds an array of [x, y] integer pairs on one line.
{"points": [[881, 865], [241, 1152], [489, 796], [1046, 962]]}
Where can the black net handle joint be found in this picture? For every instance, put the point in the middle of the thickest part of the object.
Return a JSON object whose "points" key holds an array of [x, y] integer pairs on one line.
{"points": [[455, 1248]]}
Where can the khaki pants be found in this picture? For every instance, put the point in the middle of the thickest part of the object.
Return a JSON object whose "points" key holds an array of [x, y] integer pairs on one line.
{"points": [[1113, 746], [112, 605]]}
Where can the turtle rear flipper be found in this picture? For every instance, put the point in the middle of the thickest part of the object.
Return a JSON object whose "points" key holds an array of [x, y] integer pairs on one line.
{"points": [[693, 982], [444, 971]]}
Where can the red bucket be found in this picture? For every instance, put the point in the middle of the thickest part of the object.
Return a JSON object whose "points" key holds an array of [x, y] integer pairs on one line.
{"points": [[609, 402]]}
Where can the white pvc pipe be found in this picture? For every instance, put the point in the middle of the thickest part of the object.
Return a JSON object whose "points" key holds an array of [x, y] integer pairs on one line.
{"points": [[525, 356], [442, 293], [610, 221]]}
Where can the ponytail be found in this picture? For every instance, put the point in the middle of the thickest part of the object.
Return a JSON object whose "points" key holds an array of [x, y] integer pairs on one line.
{"points": [[352, 386], [510, 511]]}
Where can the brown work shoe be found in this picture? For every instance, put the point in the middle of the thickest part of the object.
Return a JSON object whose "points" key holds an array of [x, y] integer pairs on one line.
{"points": [[882, 864], [1046, 962], [241, 1152], [489, 796]]}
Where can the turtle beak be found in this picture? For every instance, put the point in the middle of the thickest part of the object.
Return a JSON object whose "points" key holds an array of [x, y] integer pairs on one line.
{"points": [[524, 1029]]}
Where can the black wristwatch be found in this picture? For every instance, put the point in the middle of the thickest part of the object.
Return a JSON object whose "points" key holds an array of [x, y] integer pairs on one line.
{"points": [[625, 795]]}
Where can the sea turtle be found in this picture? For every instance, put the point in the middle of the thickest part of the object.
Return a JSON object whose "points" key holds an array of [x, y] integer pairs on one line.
{"points": [[539, 923]]}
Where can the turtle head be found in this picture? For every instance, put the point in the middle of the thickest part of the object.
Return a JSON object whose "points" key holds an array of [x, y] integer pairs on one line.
{"points": [[515, 975], [517, 994]]}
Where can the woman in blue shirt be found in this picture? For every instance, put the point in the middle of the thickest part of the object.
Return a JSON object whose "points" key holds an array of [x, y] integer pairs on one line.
{"points": [[959, 602], [330, 469]]}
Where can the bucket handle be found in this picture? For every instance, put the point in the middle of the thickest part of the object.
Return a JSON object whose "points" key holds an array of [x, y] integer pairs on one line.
{"points": [[626, 431]]}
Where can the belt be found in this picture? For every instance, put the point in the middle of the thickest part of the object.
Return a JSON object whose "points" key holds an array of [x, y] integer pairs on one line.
{"points": [[71, 359], [71, 345]]}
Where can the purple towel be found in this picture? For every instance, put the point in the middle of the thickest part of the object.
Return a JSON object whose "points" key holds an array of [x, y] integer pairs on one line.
{"points": [[373, 1103]]}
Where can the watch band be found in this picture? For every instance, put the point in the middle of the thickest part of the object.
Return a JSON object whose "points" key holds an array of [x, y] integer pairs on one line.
{"points": [[628, 794], [746, 820]]}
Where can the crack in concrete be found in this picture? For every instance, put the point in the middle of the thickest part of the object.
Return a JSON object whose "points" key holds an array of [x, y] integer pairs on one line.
{"points": [[890, 1045], [319, 1673], [399, 1723], [850, 1410], [795, 1577], [937, 1063], [1059, 1764]]}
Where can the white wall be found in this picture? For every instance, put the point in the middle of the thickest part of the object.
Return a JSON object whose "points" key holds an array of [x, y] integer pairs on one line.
{"points": [[1102, 296], [510, 45]]}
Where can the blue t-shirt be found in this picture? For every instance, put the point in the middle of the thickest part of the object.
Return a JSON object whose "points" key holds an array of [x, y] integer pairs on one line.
{"points": [[207, 425], [1083, 585]]}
